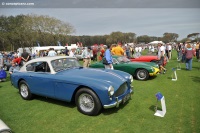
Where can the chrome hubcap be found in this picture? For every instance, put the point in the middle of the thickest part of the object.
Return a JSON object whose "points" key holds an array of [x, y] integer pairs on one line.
{"points": [[142, 74]]}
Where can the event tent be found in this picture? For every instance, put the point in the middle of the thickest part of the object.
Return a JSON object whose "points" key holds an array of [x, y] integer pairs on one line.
{"points": [[156, 42]]}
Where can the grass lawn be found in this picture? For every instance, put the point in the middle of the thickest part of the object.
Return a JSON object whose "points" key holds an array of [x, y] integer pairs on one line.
{"points": [[44, 115]]}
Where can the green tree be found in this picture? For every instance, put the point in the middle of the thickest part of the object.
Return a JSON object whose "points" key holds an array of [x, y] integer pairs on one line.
{"points": [[170, 37], [143, 39], [129, 37], [115, 37], [194, 36], [26, 30]]}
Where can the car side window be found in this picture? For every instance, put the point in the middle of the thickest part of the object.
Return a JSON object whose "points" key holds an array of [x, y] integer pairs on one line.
{"points": [[30, 67], [42, 67], [38, 67]]}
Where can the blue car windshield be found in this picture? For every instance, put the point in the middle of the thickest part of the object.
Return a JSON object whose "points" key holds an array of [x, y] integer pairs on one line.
{"points": [[64, 63]]}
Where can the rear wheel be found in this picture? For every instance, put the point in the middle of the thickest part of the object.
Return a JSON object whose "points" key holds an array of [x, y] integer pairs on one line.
{"points": [[24, 90], [87, 102], [142, 74]]}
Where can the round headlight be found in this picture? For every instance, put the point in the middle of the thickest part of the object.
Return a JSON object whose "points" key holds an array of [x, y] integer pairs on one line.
{"points": [[157, 66], [111, 91], [131, 78], [152, 69]]}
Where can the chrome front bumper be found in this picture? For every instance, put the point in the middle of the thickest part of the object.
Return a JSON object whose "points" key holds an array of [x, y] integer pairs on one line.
{"points": [[116, 104]]}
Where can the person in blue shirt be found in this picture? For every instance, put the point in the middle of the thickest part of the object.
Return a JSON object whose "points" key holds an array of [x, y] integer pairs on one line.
{"points": [[108, 57]]}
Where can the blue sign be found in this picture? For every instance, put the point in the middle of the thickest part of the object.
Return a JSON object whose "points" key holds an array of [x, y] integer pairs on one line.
{"points": [[3, 74], [159, 96], [173, 69]]}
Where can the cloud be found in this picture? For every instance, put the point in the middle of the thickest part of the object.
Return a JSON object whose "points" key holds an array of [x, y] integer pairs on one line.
{"points": [[142, 21]]}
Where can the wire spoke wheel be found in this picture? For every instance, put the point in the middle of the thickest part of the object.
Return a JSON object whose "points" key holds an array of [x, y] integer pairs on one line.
{"points": [[24, 90], [86, 102]]}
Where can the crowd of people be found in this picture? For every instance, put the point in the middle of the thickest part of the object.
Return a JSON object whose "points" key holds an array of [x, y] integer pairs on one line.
{"points": [[185, 52]]}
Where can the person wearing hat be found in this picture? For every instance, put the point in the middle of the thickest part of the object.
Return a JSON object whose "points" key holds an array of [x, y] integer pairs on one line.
{"points": [[87, 55]]}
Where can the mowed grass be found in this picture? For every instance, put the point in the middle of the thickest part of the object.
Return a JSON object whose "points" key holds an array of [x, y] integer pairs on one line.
{"points": [[45, 115]]}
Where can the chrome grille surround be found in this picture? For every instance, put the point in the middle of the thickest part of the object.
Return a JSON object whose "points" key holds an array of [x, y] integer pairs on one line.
{"points": [[121, 90]]}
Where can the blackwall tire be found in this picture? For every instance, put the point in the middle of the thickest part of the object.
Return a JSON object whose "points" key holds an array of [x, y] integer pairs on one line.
{"points": [[142, 74], [87, 102]]}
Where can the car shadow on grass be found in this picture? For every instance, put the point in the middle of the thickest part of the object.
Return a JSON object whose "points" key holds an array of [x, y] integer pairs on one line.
{"points": [[152, 77], [198, 68], [114, 109], [196, 78], [54, 101]]}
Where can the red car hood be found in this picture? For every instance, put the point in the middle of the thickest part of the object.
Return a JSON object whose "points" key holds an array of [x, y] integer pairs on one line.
{"points": [[144, 58], [147, 58]]}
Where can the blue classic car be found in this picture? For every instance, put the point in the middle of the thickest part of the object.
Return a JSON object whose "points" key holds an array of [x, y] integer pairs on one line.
{"points": [[63, 78]]}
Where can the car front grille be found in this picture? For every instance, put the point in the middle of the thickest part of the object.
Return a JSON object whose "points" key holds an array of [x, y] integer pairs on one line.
{"points": [[122, 89]]}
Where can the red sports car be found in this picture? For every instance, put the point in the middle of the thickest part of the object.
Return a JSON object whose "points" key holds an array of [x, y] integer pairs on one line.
{"points": [[147, 58]]}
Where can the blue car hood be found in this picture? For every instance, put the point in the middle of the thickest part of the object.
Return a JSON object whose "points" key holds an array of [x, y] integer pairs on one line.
{"points": [[94, 74]]}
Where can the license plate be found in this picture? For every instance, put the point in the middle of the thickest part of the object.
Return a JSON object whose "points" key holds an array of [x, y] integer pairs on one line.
{"points": [[126, 98]]}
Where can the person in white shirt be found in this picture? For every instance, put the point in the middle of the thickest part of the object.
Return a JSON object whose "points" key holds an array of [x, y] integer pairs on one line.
{"points": [[162, 49], [72, 52], [136, 51], [139, 50], [18, 54], [52, 52], [149, 48], [161, 53], [152, 49], [170, 51], [87, 55]]}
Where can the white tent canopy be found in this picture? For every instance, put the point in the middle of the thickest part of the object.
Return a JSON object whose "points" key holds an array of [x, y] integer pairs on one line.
{"points": [[156, 42]]}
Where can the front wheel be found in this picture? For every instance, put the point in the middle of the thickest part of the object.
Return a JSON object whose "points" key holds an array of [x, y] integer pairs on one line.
{"points": [[24, 90], [142, 74], [87, 102]]}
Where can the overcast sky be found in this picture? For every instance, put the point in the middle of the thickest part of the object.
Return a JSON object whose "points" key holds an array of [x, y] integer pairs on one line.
{"points": [[101, 21]]}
